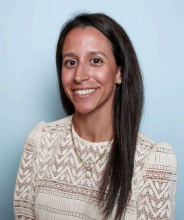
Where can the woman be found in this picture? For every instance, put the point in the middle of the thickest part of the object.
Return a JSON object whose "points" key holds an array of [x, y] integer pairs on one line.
{"points": [[94, 164]]}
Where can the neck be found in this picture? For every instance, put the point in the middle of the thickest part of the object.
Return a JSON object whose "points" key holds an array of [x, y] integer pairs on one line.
{"points": [[94, 127]]}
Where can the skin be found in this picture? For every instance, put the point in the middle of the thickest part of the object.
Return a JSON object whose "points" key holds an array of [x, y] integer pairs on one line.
{"points": [[89, 63]]}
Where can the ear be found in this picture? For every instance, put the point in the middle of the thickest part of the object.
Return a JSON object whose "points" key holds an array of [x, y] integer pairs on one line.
{"points": [[119, 75]]}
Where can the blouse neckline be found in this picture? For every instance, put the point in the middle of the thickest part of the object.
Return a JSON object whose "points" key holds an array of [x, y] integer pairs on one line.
{"points": [[85, 141]]}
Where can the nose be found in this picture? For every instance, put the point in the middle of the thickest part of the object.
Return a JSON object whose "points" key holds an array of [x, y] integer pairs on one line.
{"points": [[81, 73]]}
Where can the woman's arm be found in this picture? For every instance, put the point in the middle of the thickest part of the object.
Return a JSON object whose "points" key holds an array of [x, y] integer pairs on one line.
{"points": [[25, 182], [157, 188]]}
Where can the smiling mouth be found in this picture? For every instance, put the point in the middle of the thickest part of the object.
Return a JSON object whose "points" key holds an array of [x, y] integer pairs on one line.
{"points": [[84, 91]]}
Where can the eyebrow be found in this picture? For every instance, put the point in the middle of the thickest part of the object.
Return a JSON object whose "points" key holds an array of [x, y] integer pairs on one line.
{"points": [[96, 53], [89, 53]]}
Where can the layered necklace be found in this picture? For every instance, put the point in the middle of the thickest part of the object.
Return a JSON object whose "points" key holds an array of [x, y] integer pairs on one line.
{"points": [[87, 164]]}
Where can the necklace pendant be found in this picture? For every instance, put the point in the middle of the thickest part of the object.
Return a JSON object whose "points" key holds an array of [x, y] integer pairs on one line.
{"points": [[88, 174], [88, 164]]}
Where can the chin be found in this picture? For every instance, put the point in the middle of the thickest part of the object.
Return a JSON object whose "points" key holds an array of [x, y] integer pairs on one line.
{"points": [[84, 109]]}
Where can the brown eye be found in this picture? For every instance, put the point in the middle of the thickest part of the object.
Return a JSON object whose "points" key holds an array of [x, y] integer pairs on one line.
{"points": [[71, 63], [96, 61]]}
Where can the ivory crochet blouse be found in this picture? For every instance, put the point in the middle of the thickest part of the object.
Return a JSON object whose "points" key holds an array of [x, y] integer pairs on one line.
{"points": [[51, 182]]}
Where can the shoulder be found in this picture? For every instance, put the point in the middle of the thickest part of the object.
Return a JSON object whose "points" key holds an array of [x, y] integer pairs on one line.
{"points": [[144, 144], [42, 128], [162, 153], [58, 126], [55, 126], [157, 155]]}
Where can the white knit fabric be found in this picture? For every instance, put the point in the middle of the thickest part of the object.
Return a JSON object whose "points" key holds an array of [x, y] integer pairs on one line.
{"points": [[51, 182]]}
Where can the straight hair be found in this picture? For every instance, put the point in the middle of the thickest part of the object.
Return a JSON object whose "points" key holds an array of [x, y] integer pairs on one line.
{"points": [[127, 110]]}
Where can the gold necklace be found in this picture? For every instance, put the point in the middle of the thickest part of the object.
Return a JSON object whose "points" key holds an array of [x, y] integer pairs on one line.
{"points": [[87, 164]]}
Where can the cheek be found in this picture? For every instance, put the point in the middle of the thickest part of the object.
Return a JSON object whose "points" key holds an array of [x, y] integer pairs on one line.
{"points": [[65, 78], [65, 82], [105, 76]]}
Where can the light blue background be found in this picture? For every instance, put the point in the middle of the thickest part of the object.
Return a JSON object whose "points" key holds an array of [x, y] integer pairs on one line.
{"points": [[28, 82]]}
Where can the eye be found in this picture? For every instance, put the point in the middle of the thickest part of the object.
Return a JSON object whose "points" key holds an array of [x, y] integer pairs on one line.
{"points": [[96, 61], [70, 63]]}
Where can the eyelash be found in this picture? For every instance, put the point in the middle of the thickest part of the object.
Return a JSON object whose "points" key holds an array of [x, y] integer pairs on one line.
{"points": [[94, 59], [68, 61], [97, 59]]}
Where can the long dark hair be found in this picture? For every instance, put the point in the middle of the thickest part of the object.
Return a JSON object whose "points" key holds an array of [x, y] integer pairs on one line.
{"points": [[127, 107]]}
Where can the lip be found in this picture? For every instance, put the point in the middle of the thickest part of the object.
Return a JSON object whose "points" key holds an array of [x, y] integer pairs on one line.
{"points": [[83, 88]]}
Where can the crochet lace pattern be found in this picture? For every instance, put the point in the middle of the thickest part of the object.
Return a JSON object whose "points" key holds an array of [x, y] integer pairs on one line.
{"points": [[51, 182]]}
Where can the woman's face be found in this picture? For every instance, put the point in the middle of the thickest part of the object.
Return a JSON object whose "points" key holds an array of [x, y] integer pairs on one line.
{"points": [[89, 72]]}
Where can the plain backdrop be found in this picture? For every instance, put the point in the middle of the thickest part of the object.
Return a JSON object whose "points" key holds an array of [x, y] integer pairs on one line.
{"points": [[28, 84]]}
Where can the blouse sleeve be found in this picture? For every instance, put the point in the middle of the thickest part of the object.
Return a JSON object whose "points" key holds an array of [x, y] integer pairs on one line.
{"points": [[157, 188], [25, 182]]}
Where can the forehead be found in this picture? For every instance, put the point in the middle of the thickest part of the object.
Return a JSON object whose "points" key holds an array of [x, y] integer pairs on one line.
{"points": [[88, 38]]}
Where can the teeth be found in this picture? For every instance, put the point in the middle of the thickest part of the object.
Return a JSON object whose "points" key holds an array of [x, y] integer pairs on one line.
{"points": [[84, 92]]}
